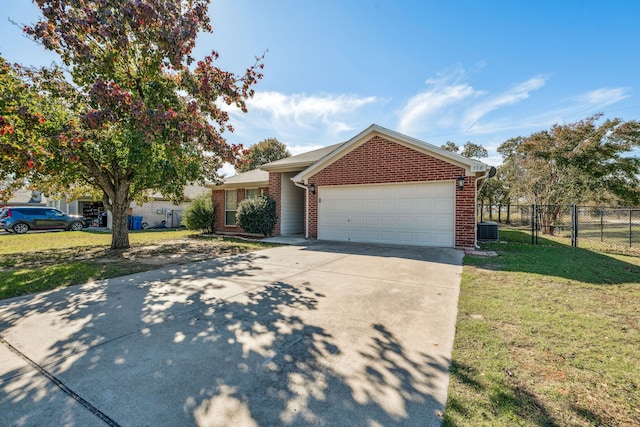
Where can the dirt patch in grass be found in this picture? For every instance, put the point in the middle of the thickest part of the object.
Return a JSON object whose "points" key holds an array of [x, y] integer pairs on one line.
{"points": [[27, 270]]}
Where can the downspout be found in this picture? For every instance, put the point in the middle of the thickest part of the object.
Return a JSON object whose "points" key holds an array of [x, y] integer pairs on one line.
{"points": [[306, 207]]}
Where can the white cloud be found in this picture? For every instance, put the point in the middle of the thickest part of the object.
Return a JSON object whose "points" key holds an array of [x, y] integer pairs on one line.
{"points": [[300, 119], [603, 97], [445, 89], [305, 111], [227, 169], [428, 103], [511, 96]]}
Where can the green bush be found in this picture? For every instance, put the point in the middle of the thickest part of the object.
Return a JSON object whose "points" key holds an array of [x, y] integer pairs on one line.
{"points": [[257, 215], [199, 214]]}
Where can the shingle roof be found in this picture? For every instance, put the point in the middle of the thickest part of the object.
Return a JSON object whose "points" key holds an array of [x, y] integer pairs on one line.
{"points": [[255, 177], [302, 160]]}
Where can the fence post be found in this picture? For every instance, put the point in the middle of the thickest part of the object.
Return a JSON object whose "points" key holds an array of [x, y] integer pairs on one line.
{"points": [[601, 224], [574, 226], [533, 222], [630, 228]]}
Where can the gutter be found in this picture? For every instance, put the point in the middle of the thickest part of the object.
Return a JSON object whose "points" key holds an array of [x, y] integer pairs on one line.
{"points": [[306, 207]]}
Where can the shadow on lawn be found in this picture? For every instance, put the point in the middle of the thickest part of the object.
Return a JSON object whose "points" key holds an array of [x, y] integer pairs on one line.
{"points": [[507, 401], [213, 344], [558, 260]]}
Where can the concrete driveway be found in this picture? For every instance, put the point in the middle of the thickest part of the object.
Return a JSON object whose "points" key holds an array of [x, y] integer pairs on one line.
{"points": [[321, 334]]}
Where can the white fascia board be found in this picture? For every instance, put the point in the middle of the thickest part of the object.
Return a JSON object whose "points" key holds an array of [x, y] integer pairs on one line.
{"points": [[471, 166]]}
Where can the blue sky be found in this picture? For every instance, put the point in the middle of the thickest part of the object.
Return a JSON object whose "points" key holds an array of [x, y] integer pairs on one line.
{"points": [[480, 71]]}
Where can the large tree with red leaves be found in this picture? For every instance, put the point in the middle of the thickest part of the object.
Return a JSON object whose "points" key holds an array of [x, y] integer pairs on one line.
{"points": [[133, 112]]}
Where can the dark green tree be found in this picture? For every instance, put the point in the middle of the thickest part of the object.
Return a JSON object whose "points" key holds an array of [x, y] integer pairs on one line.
{"points": [[584, 162], [265, 151], [469, 149]]}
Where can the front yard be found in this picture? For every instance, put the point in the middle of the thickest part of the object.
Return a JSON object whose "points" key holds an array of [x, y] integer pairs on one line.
{"points": [[546, 335], [37, 262]]}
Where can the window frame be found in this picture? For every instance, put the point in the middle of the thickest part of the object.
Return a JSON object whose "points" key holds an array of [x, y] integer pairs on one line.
{"points": [[257, 193], [227, 206]]}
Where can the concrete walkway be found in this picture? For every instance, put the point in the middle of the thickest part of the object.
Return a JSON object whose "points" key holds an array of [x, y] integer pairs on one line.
{"points": [[323, 334]]}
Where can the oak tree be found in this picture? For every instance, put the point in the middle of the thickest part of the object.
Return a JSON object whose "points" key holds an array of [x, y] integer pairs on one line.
{"points": [[584, 162], [265, 151], [469, 149]]}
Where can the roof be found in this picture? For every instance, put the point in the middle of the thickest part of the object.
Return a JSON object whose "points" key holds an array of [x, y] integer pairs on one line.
{"points": [[471, 166], [300, 161], [253, 177], [309, 163]]}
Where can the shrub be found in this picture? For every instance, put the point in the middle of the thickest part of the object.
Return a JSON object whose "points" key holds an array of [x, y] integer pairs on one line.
{"points": [[199, 214], [257, 215]]}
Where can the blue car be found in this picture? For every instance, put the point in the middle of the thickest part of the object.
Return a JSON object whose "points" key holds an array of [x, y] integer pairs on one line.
{"points": [[20, 219]]}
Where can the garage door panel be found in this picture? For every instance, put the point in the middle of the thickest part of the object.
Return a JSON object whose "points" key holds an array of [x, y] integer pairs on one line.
{"points": [[421, 214], [405, 206], [372, 221], [357, 221], [404, 222], [388, 221]]}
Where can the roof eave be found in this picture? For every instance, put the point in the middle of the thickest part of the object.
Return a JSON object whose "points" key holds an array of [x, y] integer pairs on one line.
{"points": [[291, 167], [232, 185], [470, 166]]}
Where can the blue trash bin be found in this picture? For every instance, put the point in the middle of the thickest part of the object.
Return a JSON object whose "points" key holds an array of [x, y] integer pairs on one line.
{"points": [[137, 223]]}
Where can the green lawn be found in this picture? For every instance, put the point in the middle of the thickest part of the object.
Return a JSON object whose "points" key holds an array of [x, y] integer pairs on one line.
{"points": [[35, 262], [547, 335]]}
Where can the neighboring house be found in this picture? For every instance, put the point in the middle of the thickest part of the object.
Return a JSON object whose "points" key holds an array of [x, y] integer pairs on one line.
{"points": [[380, 186], [153, 212], [24, 197]]}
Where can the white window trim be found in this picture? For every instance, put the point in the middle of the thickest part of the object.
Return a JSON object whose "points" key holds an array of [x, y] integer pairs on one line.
{"points": [[229, 210]]}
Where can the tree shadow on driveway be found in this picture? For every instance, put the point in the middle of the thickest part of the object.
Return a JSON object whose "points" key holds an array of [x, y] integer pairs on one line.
{"points": [[219, 343]]}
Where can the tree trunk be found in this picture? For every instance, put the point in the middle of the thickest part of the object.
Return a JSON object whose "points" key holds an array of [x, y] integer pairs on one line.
{"points": [[549, 219], [120, 232], [120, 211]]}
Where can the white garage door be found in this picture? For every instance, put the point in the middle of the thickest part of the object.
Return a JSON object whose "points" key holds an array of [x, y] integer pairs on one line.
{"points": [[416, 214]]}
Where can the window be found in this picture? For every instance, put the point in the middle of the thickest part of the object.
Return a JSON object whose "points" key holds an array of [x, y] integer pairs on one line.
{"points": [[230, 205], [251, 193]]}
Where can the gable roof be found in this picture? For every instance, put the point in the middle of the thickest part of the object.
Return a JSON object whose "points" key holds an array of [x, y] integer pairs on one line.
{"points": [[300, 161], [260, 177], [311, 162], [471, 166]]}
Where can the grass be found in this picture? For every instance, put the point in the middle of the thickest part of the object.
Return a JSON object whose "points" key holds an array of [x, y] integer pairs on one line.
{"points": [[36, 262], [547, 335]]}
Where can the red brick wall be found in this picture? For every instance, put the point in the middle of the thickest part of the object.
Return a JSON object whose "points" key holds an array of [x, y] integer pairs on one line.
{"points": [[275, 191], [380, 161], [217, 197], [218, 209]]}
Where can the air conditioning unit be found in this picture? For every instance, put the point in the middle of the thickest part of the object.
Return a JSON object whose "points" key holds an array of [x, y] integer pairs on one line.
{"points": [[488, 231]]}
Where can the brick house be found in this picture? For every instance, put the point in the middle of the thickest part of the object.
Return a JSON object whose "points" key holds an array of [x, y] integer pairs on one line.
{"points": [[379, 186]]}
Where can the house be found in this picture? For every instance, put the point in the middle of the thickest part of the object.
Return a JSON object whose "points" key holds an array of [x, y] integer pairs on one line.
{"points": [[379, 186], [153, 212], [157, 209], [25, 197]]}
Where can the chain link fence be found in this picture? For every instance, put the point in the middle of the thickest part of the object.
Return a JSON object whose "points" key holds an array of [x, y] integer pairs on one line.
{"points": [[596, 227]]}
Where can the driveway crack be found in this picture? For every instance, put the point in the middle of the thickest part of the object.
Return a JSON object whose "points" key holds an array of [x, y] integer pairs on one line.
{"points": [[62, 386]]}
